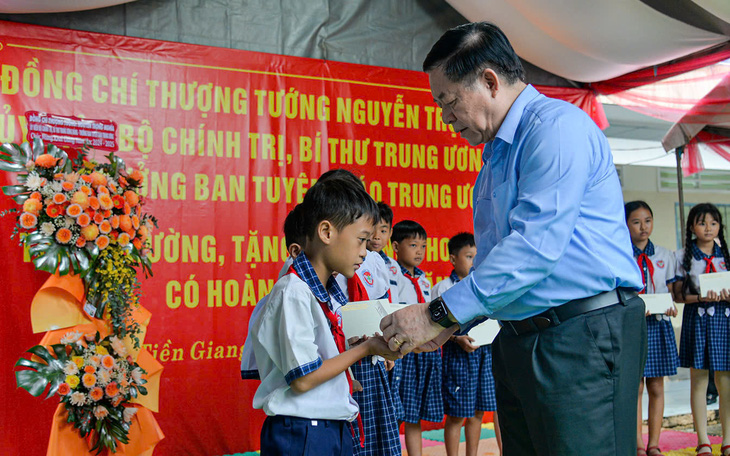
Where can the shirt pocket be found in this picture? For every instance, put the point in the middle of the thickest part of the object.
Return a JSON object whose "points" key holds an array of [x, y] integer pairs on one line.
{"points": [[502, 203]]}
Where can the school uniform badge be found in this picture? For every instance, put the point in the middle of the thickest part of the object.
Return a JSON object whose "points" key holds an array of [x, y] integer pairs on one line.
{"points": [[368, 278], [660, 264], [393, 270]]}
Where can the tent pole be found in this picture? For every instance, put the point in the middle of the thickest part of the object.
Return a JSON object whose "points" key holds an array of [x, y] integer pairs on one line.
{"points": [[678, 154]]}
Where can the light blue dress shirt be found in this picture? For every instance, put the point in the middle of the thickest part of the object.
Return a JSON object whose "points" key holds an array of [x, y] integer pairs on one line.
{"points": [[548, 216]]}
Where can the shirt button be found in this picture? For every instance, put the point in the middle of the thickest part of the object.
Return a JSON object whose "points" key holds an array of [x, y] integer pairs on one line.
{"points": [[494, 194]]}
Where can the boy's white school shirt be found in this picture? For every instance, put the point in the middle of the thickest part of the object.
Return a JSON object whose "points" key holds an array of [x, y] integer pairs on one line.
{"points": [[392, 271], [373, 274], [290, 338], [441, 287], [406, 290]]}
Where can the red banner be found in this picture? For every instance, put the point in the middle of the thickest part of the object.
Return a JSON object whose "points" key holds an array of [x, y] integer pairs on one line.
{"points": [[229, 141]]}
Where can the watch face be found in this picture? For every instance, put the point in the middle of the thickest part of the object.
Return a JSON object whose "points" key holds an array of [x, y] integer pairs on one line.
{"points": [[437, 309]]}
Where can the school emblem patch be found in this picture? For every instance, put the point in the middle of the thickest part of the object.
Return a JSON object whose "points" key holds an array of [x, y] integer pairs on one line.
{"points": [[660, 264], [723, 266], [427, 284], [368, 278], [393, 270]]}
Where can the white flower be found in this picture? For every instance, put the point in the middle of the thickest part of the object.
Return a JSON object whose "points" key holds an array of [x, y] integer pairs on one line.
{"points": [[70, 368], [137, 375], [119, 348], [56, 186], [78, 399], [103, 377], [68, 222], [71, 336], [129, 412], [34, 181], [47, 228]]}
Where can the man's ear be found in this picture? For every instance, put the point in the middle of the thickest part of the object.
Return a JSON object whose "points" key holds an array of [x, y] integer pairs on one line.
{"points": [[325, 231], [491, 81]]}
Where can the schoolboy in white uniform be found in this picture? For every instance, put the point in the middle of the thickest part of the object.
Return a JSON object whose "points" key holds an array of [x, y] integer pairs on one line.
{"points": [[297, 338]]}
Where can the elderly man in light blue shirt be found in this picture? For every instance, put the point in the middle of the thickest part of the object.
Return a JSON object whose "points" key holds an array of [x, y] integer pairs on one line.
{"points": [[554, 261]]}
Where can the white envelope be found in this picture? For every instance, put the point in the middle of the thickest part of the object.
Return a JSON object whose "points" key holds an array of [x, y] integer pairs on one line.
{"points": [[714, 282], [363, 317], [658, 303], [485, 332]]}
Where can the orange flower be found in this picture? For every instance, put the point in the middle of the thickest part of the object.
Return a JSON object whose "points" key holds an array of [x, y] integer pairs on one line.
{"points": [[63, 236], [28, 220], [115, 221], [85, 190], [112, 389], [90, 232], [89, 369], [135, 222], [46, 161], [96, 393], [63, 389], [86, 178], [112, 187], [137, 176], [80, 242], [137, 244], [59, 198], [67, 186], [33, 206], [81, 199], [97, 179], [123, 182], [36, 196], [58, 176], [114, 235], [125, 222], [88, 380], [123, 239], [143, 232], [131, 197], [127, 209], [105, 201], [98, 218], [74, 210], [105, 227], [107, 213], [102, 241], [117, 400], [83, 219], [107, 361], [100, 412], [94, 202], [118, 201], [54, 210], [101, 189]]}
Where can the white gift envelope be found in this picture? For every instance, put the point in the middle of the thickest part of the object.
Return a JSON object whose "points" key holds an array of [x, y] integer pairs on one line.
{"points": [[714, 282], [363, 317], [485, 332], [658, 303]]}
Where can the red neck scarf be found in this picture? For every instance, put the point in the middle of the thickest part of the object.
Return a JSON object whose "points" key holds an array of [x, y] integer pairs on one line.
{"points": [[356, 290], [414, 281], [709, 265], [339, 335], [643, 259]]}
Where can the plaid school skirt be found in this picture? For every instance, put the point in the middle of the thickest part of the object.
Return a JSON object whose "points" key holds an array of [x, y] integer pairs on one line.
{"points": [[662, 358], [705, 339], [377, 410], [468, 383], [420, 388]]}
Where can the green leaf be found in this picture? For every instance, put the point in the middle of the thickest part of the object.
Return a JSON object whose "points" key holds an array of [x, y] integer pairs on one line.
{"points": [[38, 148], [20, 199], [40, 374], [11, 190]]}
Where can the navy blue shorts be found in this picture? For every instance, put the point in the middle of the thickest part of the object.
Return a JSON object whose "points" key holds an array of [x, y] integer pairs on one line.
{"points": [[289, 436]]}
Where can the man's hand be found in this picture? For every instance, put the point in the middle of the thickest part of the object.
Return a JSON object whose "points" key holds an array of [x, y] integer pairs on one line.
{"points": [[412, 327], [437, 342]]}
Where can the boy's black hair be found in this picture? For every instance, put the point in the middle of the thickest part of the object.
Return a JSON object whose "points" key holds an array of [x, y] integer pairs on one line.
{"points": [[631, 206], [340, 173], [460, 241], [407, 229], [386, 213], [697, 214], [339, 198], [293, 229]]}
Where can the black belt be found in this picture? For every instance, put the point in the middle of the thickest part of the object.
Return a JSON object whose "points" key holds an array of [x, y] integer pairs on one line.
{"points": [[556, 315]]}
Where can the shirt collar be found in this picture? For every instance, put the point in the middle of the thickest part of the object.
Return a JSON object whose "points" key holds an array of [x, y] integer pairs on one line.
{"points": [[648, 250], [700, 255], [384, 257], [454, 276], [305, 271], [417, 272], [511, 122]]}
